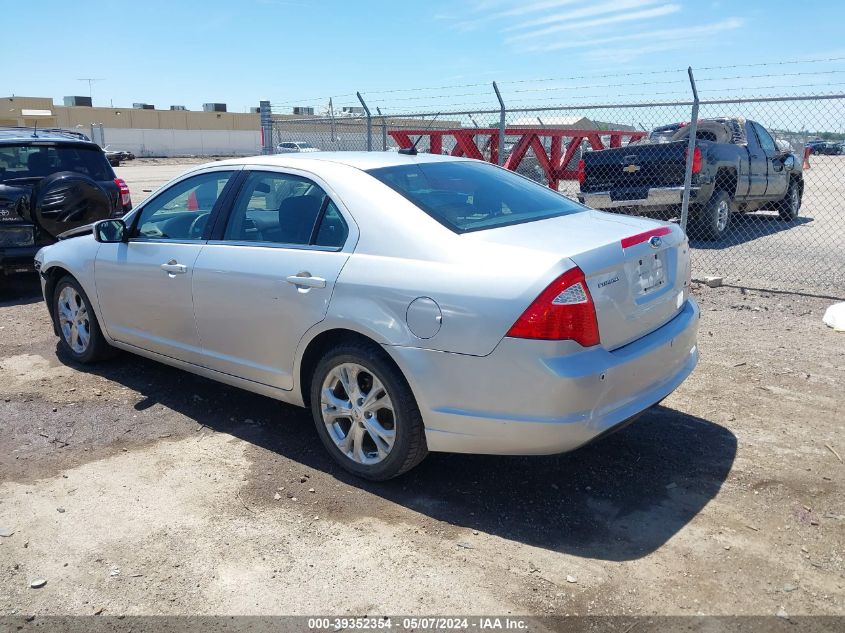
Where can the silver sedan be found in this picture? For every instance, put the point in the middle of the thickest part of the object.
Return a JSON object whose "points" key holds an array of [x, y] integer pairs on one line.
{"points": [[413, 303]]}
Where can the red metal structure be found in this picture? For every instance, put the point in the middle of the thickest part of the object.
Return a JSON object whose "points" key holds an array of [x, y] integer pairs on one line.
{"points": [[554, 163]]}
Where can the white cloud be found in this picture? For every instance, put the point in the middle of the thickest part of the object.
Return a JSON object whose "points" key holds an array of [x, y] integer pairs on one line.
{"points": [[610, 30], [654, 37], [521, 9], [615, 6], [655, 12], [533, 7]]}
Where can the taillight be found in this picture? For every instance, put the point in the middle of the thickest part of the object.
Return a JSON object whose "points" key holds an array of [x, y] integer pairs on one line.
{"points": [[564, 310], [639, 238], [125, 198], [696, 159], [582, 176]]}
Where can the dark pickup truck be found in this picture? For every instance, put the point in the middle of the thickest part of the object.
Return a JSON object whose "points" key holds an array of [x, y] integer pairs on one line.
{"points": [[51, 181], [736, 166]]}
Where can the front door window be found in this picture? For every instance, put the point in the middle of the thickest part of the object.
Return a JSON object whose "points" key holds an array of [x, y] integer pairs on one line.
{"points": [[182, 211]]}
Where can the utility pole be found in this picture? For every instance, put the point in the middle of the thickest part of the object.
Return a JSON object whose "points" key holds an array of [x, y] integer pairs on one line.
{"points": [[90, 81]]}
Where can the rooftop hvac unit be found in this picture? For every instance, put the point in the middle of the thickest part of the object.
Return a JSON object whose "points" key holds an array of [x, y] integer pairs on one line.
{"points": [[303, 110], [78, 101], [143, 106], [354, 110], [214, 107], [180, 108], [254, 110]]}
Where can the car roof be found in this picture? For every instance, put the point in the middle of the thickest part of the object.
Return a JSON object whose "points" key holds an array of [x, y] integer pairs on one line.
{"points": [[29, 134], [359, 160]]}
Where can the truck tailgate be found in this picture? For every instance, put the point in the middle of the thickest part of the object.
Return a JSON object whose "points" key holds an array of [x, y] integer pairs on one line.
{"points": [[630, 171]]}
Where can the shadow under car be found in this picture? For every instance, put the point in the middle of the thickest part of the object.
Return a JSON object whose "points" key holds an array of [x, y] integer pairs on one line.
{"points": [[616, 499]]}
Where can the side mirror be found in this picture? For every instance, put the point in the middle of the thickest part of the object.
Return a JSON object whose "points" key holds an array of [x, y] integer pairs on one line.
{"points": [[110, 231], [789, 162]]}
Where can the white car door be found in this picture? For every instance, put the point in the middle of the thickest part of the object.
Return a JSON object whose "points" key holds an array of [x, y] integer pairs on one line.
{"points": [[269, 275], [144, 284]]}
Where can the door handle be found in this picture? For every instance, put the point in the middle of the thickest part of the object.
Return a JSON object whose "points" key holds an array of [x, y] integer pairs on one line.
{"points": [[304, 280], [174, 268]]}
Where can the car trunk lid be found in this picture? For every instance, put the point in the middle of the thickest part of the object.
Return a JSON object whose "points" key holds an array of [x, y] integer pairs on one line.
{"points": [[637, 285]]}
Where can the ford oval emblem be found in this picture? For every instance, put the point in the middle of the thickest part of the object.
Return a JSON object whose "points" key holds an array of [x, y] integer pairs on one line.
{"points": [[655, 241]]}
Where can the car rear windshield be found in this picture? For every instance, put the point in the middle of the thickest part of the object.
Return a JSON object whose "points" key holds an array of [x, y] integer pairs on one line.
{"points": [[473, 195], [29, 160]]}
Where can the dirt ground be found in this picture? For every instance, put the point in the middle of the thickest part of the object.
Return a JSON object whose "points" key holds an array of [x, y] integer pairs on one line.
{"points": [[133, 488]]}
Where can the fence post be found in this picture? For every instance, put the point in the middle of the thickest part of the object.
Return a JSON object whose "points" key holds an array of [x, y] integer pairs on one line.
{"points": [[693, 128], [266, 127], [383, 130], [369, 122], [335, 140], [501, 124]]}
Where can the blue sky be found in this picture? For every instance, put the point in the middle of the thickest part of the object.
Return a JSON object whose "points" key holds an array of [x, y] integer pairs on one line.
{"points": [[296, 51]]}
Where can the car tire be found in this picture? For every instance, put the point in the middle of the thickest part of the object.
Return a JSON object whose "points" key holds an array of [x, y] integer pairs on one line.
{"points": [[713, 219], [790, 206], [66, 200], [365, 412], [80, 336]]}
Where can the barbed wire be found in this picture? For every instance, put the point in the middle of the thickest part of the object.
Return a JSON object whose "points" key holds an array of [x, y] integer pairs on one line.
{"points": [[675, 70], [609, 75], [622, 97], [421, 89]]}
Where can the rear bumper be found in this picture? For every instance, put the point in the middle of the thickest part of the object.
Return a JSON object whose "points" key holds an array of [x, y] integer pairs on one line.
{"points": [[655, 197], [18, 259], [521, 400]]}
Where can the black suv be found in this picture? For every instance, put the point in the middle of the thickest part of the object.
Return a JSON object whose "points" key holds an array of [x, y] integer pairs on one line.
{"points": [[51, 181]]}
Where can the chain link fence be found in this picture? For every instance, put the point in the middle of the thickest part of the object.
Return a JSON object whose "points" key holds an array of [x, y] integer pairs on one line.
{"points": [[766, 198]]}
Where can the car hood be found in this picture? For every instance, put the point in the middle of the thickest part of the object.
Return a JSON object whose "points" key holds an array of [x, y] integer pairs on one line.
{"points": [[85, 229]]}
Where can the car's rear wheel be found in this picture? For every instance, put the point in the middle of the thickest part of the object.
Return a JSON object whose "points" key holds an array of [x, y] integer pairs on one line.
{"points": [[80, 336], [365, 412], [713, 219]]}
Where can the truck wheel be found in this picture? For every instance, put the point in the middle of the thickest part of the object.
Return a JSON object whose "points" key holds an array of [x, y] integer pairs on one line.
{"points": [[789, 207], [713, 218]]}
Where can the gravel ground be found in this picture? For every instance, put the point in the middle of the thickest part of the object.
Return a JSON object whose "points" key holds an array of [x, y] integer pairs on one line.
{"points": [[134, 488]]}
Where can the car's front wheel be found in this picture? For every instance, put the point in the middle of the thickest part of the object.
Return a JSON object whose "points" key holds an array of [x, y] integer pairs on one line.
{"points": [[790, 206], [365, 412], [80, 336]]}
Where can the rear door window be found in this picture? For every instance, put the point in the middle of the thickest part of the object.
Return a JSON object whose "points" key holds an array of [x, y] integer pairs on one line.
{"points": [[766, 140], [472, 195], [279, 208]]}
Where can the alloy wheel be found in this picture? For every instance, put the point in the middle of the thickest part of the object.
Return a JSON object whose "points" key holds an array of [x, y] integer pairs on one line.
{"points": [[723, 214], [358, 413], [74, 321]]}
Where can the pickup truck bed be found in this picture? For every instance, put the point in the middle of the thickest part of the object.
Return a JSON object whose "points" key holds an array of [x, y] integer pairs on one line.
{"points": [[736, 167]]}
